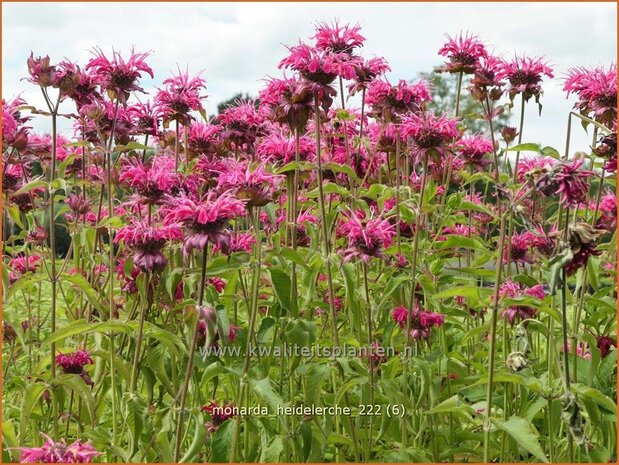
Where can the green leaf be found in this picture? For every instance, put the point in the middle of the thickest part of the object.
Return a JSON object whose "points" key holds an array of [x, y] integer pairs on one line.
{"points": [[338, 168], [551, 152], [474, 292], [315, 378], [31, 185], [530, 147], [221, 443], [520, 430], [33, 393], [306, 435], [281, 286], [92, 295], [594, 395], [76, 384]]}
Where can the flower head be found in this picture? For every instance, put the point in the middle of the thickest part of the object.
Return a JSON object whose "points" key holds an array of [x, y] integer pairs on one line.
{"points": [[242, 123], [278, 147], [23, 264], [256, 186], [512, 290], [596, 89], [567, 180], [117, 76], [74, 363], [390, 102], [474, 150], [205, 218], [464, 53], [525, 76], [180, 96], [339, 39], [218, 413], [367, 71], [204, 139], [605, 344], [366, 239], [422, 321], [147, 242], [429, 131], [151, 181], [59, 452], [319, 66], [147, 117]]}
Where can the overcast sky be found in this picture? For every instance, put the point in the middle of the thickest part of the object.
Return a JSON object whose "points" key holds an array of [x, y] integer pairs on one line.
{"points": [[238, 44]]}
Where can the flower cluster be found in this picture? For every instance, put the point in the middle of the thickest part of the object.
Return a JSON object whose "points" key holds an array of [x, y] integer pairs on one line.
{"points": [[59, 452], [421, 321]]}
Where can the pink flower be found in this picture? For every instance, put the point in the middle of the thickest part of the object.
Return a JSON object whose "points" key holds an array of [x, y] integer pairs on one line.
{"points": [[205, 219], [151, 181], [474, 150], [544, 243], [339, 39], [278, 147], [256, 186], [117, 76], [14, 131], [567, 180], [147, 117], [390, 102], [528, 166], [204, 138], [219, 414], [464, 53], [460, 230], [608, 212], [180, 96], [74, 363], [605, 344], [520, 248], [512, 290], [218, 284], [596, 89], [23, 264], [422, 321], [319, 66], [607, 148], [525, 75], [59, 452], [242, 123], [41, 71], [291, 101], [147, 243], [367, 71], [366, 239], [11, 177], [429, 131], [487, 79]]}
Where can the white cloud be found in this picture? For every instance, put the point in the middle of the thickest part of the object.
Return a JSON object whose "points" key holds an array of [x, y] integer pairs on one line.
{"points": [[238, 44]]}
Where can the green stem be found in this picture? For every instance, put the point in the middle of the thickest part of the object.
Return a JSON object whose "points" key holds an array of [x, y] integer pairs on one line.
{"points": [[253, 310], [192, 352]]}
